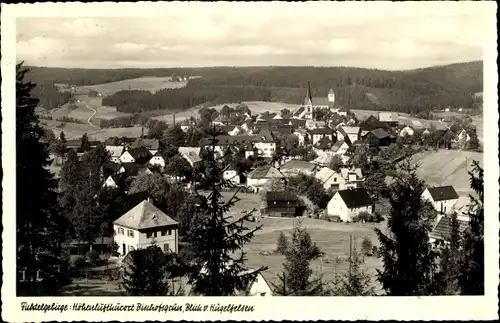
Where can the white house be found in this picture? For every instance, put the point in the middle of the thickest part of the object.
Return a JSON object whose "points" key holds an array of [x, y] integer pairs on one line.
{"points": [[407, 131], [259, 177], [346, 204], [340, 147], [348, 133], [157, 160], [318, 133], [295, 167], [463, 136], [442, 198], [392, 117], [191, 154], [265, 143], [115, 153], [301, 136], [143, 225], [113, 181], [126, 157], [330, 179], [231, 175]]}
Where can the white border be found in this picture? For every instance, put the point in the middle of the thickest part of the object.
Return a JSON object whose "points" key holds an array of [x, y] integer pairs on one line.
{"points": [[274, 308]]}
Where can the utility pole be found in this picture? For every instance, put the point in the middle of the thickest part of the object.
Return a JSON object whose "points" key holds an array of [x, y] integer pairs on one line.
{"points": [[350, 254]]}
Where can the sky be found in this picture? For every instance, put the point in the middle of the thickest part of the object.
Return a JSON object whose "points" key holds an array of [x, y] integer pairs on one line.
{"points": [[388, 35]]}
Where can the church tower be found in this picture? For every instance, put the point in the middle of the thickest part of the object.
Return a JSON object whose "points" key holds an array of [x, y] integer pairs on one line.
{"points": [[308, 99], [331, 97]]}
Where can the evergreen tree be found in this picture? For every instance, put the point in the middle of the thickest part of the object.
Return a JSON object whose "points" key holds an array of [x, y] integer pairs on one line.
{"points": [[296, 278], [471, 281], [215, 240], [40, 228], [85, 143], [409, 261], [355, 282], [282, 244]]}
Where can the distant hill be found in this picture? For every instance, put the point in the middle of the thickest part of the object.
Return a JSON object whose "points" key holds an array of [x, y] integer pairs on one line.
{"points": [[410, 91]]}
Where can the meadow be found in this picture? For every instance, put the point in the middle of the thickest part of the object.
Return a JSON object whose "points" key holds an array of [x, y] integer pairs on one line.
{"points": [[447, 167], [151, 84]]}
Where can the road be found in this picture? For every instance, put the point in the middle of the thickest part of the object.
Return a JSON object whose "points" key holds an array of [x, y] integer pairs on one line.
{"points": [[93, 114]]}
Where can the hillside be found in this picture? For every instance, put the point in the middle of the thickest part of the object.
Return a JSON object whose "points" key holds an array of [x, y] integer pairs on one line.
{"points": [[410, 91]]}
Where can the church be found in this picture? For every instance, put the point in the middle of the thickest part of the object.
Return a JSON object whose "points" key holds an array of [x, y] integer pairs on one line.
{"points": [[311, 103]]}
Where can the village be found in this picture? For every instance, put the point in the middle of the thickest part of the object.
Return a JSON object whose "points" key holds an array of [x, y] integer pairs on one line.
{"points": [[307, 163]]}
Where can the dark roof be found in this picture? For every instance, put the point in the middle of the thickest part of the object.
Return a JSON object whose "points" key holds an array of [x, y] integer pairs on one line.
{"points": [[131, 169], [141, 256], [324, 143], [379, 133], [371, 123], [136, 198], [442, 230], [110, 168], [443, 193], [299, 111], [120, 180], [140, 153], [320, 131], [281, 196], [264, 135], [355, 197], [74, 143], [224, 140]]}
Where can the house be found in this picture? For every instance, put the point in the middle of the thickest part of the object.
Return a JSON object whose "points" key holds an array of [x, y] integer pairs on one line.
{"points": [[153, 145], [340, 147], [143, 225], [442, 230], [330, 179], [136, 155], [324, 159], [111, 169], [406, 131], [115, 153], [378, 138], [391, 118], [231, 175], [281, 204], [74, 144], [258, 178], [426, 132], [316, 134], [350, 134], [463, 136], [300, 113], [265, 143], [296, 167], [353, 177], [191, 154], [133, 169], [258, 287], [346, 204], [157, 160], [250, 150], [116, 181], [442, 198], [372, 123], [237, 130], [342, 112]]}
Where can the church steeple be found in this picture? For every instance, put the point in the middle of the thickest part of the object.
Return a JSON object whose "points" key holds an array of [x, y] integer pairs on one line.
{"points": [[308, 98]]}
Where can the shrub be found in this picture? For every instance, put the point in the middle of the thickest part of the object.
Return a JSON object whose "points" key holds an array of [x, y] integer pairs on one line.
{"points": [[375, 251], [93, 257], [367, 247], [282, 244], [77, 263], [377, 217]]}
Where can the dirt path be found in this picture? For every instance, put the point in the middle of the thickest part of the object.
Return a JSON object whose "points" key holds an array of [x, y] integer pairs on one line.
{"points": [[93, 114]]}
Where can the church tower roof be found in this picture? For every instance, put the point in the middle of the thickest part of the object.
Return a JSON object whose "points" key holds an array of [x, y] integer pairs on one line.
{"points": [[331, 91], [308, 94]]}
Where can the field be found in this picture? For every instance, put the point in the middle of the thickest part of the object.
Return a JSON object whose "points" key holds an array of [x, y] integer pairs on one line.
{"points": [[404, 118], [76, 130], [447, 167], [479, 122], [151, 84]]}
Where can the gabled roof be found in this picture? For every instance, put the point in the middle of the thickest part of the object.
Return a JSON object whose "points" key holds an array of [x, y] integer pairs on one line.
{"points": [[345, 172], [388, 117], [379, 133], [321, 131], [264, 135], [140, 153], [331, 91], [144, 216], [338, 144], [443, 193], [110, 168], [323, 159], [442, 230], [349, 130], [297, 164], [281, 196], [355, 197], [131, 169], [115, 151], [265, 172], [299, 111], [318, 100], [324, 174], [74, 143], [324, 143]]}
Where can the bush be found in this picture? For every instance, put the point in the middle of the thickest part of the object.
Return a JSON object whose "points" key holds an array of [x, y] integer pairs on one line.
{"points": [[375, 251], [282, 244], [92, 257], [367, 247], [377, 217], [77, 263]]}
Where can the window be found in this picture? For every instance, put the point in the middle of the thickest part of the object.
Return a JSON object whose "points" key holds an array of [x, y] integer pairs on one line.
{"points": [[166, 247], [335, 179], [166, 232], [121, 231], [130, 233], [151, 234], [130, 248]]}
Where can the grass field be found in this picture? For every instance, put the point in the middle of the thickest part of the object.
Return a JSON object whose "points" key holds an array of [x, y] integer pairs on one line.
{"points": [[447, 167], [479, 122], [151, 84]]}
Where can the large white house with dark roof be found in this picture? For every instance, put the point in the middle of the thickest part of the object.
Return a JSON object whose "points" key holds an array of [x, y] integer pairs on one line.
{"points": [[143, 225], [442, 198]]}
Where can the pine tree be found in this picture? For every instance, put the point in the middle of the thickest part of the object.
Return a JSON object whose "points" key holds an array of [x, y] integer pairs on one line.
{"points": [[215, 240], [40, 227], [85, 143], [471, 281], [355, 282], [297, 276], [282, 244], [409, 261]]}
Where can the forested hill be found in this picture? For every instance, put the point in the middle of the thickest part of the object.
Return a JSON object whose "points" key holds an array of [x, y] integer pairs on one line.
{"points": [[405, 91]]}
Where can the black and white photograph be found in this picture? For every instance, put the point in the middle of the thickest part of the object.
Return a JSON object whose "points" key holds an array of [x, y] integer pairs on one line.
{"points": [[291, 150]]}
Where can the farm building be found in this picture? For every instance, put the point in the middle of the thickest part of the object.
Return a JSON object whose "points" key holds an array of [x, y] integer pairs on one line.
{"points": [[142, 225], [378, 138], [295, 167], [346, 204], [442, 230], [350, 134], [281, 204], [330, 179], [139, 155], [115, 152], [391, 118], [340, 147], [442, 198]]}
